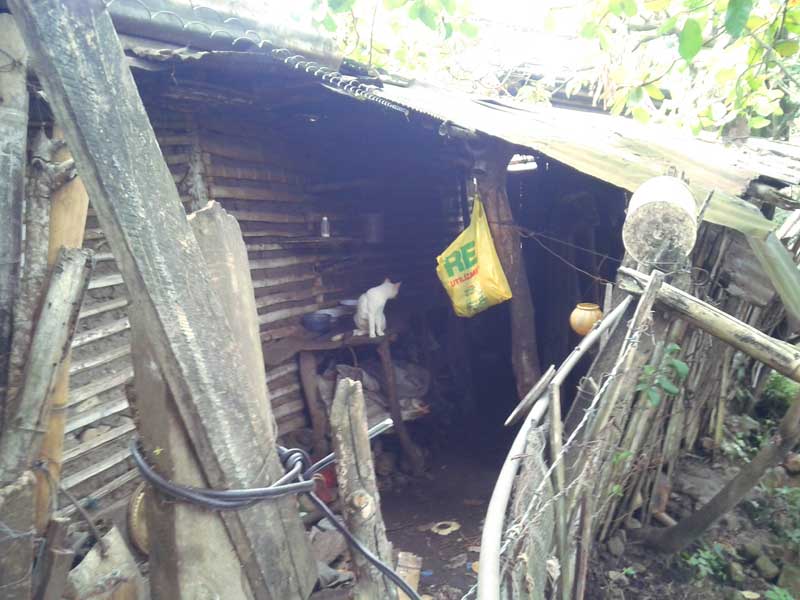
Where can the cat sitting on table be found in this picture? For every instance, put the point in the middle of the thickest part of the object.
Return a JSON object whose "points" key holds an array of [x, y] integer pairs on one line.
{"points": [[369, 317]]}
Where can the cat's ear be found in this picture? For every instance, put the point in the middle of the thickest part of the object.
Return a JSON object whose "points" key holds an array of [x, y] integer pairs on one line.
{"points": [[397, 285]]}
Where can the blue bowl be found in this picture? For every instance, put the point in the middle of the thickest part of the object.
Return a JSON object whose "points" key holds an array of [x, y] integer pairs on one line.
{"points": [[317, 322]]}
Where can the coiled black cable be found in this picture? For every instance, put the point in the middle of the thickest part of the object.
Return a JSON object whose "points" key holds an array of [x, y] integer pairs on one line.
{"points": [[297, 480]]}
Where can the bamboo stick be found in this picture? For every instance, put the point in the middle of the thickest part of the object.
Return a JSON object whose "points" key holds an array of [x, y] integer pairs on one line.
{"points": [[68, 208], [782, 357]]}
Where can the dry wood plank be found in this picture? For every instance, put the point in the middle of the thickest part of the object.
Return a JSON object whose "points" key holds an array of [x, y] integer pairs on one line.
{"points": [[95, 469], [219, 192], [98, 360], [408, 567], [108, 409], [20, 440], [13, 142], [307, 364], [100, 440], [103, 491], [355, 473], [50, 573], [104, 331], [102, 307], [99, 386], [111, 574], [105, 281], [269, 217]]}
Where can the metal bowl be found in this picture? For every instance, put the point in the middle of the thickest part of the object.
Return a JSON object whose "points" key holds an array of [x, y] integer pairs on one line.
{"points": [[317, 322]]}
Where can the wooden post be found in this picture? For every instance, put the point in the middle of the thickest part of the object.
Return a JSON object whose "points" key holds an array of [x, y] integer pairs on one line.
{"points": [[490, 166], [410, 449], [20, 441], [69, 204], [54, 564], [214, 566], [779, 355], [13, 140], [138, 207], [355, 472], [16, 538], [319, 420]]}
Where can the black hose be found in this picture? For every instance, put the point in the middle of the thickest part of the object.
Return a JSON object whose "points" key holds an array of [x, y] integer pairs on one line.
{"points": [[297, 480]]}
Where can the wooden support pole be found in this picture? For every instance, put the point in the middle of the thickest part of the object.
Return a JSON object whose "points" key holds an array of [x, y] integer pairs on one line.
{"points": [[319, 420], [13, 141], [355, 472], [779, 355], [54, 563], [214, 566], [490, 170], [21, 438], [138, 207], [410, 449], [68, 208]]}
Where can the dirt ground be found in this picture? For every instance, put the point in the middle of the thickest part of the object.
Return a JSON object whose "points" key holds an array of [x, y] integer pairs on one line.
{"points": [[464, 463]]}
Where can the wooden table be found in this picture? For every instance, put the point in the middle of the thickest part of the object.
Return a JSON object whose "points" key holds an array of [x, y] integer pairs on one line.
{"points": [[305, 345]]}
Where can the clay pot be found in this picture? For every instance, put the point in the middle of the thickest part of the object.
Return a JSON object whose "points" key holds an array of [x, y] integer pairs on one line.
{"points": [[584, 317]]}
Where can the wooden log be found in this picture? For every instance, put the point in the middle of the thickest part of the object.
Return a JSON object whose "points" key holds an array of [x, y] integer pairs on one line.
{"points": [[16, 538], [34, 270], [408, 568], [355, 472], [13, 145], [779, 355], [68, 207], [54, 564], [490, 170], [161, 262], [316, 410], [109, 575], [21, 439], [410, 449]]}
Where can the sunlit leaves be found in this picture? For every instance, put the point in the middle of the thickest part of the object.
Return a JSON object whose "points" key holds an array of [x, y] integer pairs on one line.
{"points": [[341, 5], [690, 40], [787, 48], [758, 122], [737, 15], [654, 91], [468, 29]]}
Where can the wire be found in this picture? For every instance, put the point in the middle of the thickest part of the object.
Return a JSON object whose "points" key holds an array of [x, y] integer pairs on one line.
{"points": [[298, 479]]}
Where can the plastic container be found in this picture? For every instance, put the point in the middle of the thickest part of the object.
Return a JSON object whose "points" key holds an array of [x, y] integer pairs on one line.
{"points": [[317, 322], [325, 228]]}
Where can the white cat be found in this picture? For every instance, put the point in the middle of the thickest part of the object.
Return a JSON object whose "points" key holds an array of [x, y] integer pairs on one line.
{"points": [[369, 315]]}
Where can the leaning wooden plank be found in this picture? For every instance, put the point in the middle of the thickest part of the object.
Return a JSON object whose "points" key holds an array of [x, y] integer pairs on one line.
{"points": [[779, 355], [102, 307], [13, 138], [99, 386], [108, 409], [20, 440], [102, 439], [355, 473], [17, 537], [107, 330], [138, 207], [95, 469], [52, 568], [68, 206]]}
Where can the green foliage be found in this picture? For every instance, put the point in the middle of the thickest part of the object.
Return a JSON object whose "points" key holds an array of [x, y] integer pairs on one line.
{"points": [[778, 395], [690, 40], [707, 562], [776, 593], [664, 379], [629, 572], [736, 16]]}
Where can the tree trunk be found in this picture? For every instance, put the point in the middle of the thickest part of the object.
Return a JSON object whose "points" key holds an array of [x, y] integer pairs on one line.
{"points": [[490, 170], [675, 539], [13, 140]]}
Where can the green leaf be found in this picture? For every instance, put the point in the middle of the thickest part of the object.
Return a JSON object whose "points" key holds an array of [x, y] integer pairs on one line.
{"points": [[736, 16], [690, 40], [449, 6], [669, 387], [758, 122], [616, 7], [672, 348], [654, 91], [448, 30], [468, 29], [635, 95], [653, 396], [415, 9], [668, 26], [630, 8], [787, 48], [681, 368], [340, 5], [754, 22], [589, 30], [641, 114], [392, 4], [428, 16], [328, 22]]}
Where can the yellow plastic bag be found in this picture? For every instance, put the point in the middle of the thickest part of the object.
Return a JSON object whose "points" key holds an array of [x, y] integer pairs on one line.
{"points": [[470, 270]]}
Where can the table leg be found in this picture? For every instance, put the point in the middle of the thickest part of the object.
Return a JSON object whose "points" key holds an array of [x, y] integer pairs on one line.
{"points": [[319, 420], [410, 449]]}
